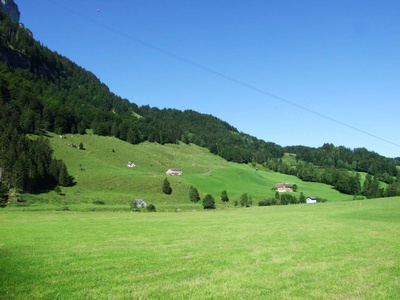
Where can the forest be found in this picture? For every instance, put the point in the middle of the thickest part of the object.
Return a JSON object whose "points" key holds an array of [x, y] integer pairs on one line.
{"points": [[42, 91]]}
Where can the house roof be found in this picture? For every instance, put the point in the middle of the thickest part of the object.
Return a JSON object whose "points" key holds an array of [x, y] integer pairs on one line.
{"points": [[138, 201], [176, 170], [283, 185], [312, 198]]}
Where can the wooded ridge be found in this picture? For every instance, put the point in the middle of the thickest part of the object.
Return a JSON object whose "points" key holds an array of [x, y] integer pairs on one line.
{"points": [[42, 91]]}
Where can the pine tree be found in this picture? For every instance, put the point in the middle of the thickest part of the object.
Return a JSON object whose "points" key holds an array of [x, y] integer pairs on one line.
{"points": [[224, 196], [3, 195], [302, 198], [194, 194], [244, 200], [166, 188], [366, 190], [208, 202], [64, 178]]}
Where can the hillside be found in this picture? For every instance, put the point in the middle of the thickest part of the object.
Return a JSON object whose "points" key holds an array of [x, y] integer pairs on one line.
{"points": [[42, 91], [101, 174]]}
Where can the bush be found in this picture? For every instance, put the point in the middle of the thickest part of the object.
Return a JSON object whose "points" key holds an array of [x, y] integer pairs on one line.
{"points": [[151, 207], [208, 202], [57, 189], [194, 194], [265, 202], [246, 200], [224, 196], [99, 202], [134, 207]]}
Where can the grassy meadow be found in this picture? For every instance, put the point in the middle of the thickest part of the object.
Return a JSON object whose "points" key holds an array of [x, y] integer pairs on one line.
{"points": [[101, 174], [333, 250]]}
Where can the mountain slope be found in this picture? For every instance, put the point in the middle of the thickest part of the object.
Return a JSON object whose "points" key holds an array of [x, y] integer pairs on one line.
{"points": [[42, 91], [101, 174]]}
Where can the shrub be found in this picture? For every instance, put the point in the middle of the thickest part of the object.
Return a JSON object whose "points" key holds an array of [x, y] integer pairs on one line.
{"points": [[246, 200], [224, 196], [100, 202], [151, 207], [265, 202], [57, 189], [208, 202], [134, 207], [194, 194]]}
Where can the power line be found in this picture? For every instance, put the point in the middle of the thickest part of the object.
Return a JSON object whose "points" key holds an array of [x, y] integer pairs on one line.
{"points": [[225, 76]]}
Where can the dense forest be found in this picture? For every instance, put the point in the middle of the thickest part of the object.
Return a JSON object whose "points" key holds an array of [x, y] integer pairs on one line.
{"points": [[42, 91], [340, 167], [359, 159]]}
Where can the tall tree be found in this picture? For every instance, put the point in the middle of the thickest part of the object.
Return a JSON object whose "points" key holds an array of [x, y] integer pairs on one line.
{"points": [[166, 188], [194, 194], [244, 200], [208, 202], [64, 178], [3, 195], [224, 196], [302, 198]]}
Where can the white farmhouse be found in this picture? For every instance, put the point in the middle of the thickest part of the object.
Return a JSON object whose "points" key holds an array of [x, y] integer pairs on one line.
{"points": [[311, 200]]}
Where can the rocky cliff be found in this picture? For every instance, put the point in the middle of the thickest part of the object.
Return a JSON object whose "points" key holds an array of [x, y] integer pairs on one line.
{"points": [[11, 9]]}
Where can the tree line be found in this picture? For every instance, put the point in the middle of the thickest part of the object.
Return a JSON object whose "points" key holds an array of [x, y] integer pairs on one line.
{"points": [[52, 93], [344, 180], [358, 159], [44, 91]]}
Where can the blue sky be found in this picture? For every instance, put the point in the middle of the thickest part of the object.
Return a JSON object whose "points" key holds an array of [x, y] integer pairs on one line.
{"points": [[335, 64]]}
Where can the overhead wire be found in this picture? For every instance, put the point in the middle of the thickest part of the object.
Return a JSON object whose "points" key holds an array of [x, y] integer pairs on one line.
{"points": [[225, 76]]}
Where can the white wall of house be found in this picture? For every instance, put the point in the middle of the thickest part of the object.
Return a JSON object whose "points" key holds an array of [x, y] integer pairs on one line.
{"points": [[309, 200]]}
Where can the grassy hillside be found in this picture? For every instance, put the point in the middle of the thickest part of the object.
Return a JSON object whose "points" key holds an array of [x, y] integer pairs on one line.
{"points": [[101, 174], [334, 250]]}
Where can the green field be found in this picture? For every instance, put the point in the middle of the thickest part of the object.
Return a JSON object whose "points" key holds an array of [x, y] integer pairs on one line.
{"points": [[107, 178], [334, 250]]}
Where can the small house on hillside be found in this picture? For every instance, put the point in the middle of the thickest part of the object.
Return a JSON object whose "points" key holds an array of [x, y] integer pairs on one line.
{"points": [[130, 164], [284, 187], [174, 172], [140, 203], [311, 200]]}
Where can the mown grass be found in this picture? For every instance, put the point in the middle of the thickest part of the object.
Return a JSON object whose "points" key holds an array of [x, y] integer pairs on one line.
{"points": [[101, 174], [342, 250]]}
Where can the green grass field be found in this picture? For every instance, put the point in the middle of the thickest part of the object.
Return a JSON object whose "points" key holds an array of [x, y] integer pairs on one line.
{"points": [[107, 178], [333, 250]]}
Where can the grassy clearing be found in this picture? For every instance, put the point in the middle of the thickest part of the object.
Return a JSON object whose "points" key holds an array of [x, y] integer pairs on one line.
{"points": [[107, 178], [342, 250]]}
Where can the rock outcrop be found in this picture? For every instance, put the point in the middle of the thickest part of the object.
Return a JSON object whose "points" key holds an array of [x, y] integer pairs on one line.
{"points": [[11, 9]]}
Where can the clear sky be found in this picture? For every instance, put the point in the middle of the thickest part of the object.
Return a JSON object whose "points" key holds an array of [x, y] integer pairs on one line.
{"points": [[291, 72]]}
